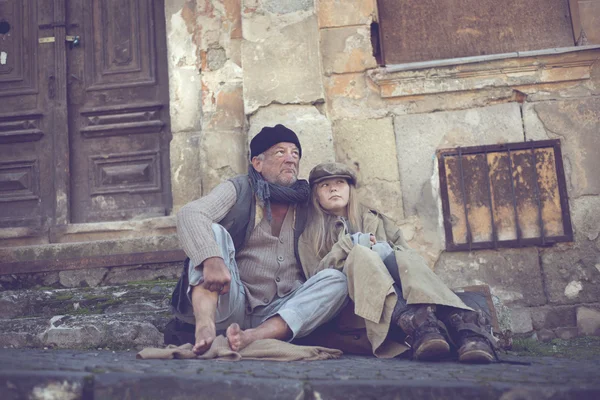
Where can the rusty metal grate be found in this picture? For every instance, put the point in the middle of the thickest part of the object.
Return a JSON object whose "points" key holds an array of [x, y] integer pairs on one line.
{"points": [[507, 195]]}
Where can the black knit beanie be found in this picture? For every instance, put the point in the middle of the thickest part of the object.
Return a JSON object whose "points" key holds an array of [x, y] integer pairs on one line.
{"points": [[270, 136]]}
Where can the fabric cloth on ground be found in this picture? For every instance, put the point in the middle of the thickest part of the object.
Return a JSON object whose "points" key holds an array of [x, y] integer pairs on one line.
{"points": [[266, 349]]}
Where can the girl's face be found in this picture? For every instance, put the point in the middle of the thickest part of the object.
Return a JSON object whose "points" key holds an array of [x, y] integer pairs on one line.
{"points": [[333, 195]]}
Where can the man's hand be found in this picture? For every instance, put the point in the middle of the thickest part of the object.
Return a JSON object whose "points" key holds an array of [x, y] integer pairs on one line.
{"points": [[216, 275]]}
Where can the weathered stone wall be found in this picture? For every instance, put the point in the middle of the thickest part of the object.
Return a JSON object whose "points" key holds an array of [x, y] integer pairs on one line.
{"points": [[205, 83], [238, 65]]}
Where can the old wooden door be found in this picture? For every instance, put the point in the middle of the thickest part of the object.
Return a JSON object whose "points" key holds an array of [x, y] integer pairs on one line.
{"points": [[118, 110], [27, 100], [84, 118]]}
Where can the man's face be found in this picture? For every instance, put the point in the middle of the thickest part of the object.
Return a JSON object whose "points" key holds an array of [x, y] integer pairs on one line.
{"points": [[280, 164]]}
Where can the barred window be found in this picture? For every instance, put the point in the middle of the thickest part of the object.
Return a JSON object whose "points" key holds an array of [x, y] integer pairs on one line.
{"points": [[506, 195]]}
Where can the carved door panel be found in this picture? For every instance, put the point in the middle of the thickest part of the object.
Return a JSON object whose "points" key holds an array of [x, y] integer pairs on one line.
{"points": [[119, 128], [27, 93]]}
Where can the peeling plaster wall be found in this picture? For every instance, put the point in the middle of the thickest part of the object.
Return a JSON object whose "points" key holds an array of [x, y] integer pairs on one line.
{"points": [[205, 78], [238, 65]]}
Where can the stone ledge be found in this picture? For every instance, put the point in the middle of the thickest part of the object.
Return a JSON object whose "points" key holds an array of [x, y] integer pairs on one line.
{"points": [[474, 73], [85, 232], [105, 253], [121, 375], [121, 229], [45, 385], [115, 331], [151, 296]]}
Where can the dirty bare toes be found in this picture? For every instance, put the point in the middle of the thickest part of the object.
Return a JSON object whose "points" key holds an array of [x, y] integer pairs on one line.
{"points": [[205, 335], [236, 337]]}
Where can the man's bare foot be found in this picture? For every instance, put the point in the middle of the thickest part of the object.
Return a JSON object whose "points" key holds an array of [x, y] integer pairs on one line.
{"points": [[205, 335], [237, 338]]}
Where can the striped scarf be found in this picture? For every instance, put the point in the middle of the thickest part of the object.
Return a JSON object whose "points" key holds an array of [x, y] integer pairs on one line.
{"points": [[266, 192]]}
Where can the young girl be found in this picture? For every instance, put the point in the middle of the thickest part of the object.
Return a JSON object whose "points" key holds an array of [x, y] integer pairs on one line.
{"points": [[389, 284]]}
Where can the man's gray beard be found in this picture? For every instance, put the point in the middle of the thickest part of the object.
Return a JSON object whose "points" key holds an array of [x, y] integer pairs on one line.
{"points": [[282, 183]]}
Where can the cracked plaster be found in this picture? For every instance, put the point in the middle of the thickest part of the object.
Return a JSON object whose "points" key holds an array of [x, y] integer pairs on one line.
{"points": [[283, 66], [575, 123], [369, 146]]}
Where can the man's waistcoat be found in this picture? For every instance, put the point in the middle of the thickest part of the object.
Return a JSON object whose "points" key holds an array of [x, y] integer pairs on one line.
{"points": [[240, 220]]}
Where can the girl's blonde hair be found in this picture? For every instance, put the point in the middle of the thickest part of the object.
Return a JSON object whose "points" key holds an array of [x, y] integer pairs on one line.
{"points": [[321, 227]]}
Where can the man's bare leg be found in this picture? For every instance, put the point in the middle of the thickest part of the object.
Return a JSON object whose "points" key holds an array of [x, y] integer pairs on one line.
{"points": [[273, 328], [204, 303]]}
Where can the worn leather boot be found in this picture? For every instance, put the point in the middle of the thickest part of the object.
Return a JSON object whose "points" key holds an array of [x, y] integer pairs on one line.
{"points": [[471, 332], [423, 332]]}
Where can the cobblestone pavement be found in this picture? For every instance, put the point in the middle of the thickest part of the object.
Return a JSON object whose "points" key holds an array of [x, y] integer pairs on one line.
{"points": [[104, 374]]}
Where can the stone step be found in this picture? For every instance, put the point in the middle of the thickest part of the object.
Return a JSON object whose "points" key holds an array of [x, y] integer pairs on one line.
{"points": [[93, 375], [116, 331], [90, 277], [129, 298]]}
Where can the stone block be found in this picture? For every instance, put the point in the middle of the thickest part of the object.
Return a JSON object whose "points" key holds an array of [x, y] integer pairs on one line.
{"points": [[349, 96], [566, 333], [82, 277], [18, 340], [369, 146], [550, 317], [281, 65], [122, 275], [101, 331], [345, 12], [227, 113], [63, 336], [185, 98], [226, 82], [575, 122], [233, 18], [187, 386], [347, 49], [416, 389], [216, 58], [588, 321], [26, 281], [312, 127], [586, 219], [235, 51], [418, 136], [589, 13], [570, 273], [181, 46], [545, 335], [512, 274], [219, 162], [287, 6], [521, 320], [134, 298], [186, 175], [11, 305], [48, 385], [504, 315]]}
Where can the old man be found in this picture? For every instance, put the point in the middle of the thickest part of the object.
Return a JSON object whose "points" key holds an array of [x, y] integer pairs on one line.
{"points": [[243, 274]]}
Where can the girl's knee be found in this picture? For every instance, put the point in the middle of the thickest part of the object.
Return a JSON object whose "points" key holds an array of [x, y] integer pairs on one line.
{"points": [[332, 274], [335, 280]]}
